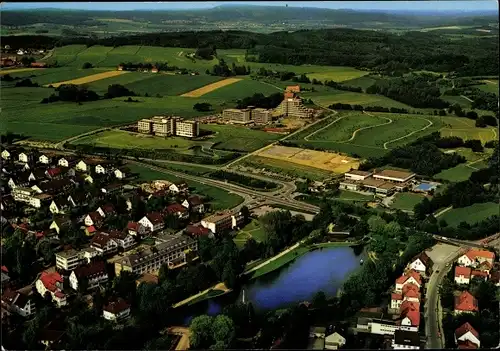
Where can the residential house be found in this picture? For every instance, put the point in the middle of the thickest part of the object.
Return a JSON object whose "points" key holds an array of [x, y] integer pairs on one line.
{"points": [[60, 223], [410, 277], [410, 292], [147, 278], [484, 266], [94, 274], [79, 199], [90, 231], [70, 259], [406, 340], [122, 172], [178, 187], [21, 179], [473, 258], [6, 154], [334, 341], [112, 188], [54, 187], [45, 158], [17, 302], [107, 210], [54, 173], [465, 303], [177, 210], [477, 274], [51, 283], [495, 274], [136, 228], [122, 239], [194, 204], [221, 221], [102, 168], [59, 206], [409, 314], [66, 161], [94, 219], [421, 263], [462, 275], [103, 243], [82, 166], [116, 310], [37, 174], [25, 157], [467, 337], [153, 221]]}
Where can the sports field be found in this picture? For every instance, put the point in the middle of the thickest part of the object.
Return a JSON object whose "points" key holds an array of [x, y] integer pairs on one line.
{"points": [[333, 162], [90, 78], [470, 214], [210, 87], [406, 201]]}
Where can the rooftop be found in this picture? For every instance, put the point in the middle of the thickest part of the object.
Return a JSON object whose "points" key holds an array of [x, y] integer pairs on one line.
{"points": [[394, 174]]}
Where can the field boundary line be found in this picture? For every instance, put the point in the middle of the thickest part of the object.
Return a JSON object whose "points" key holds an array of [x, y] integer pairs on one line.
{"points": [[407, 135], [274, 86], [466, 98], [208, 88], [306, 138], [106, 55]]}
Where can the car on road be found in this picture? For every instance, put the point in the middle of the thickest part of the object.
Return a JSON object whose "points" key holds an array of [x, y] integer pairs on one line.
{"points": [[437, 271]]}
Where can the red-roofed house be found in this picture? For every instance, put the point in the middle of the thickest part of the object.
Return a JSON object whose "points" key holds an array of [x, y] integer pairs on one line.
{"points": [[52, 283], [462, 275], [467, 335], [465, 303], [410, 277], [177, 210], [484, 266], [94, 273], [473, 258], [93, 218], [421, 263], [153, 221], [106, 210], [197, 230], [410, 292], [479, 274], [90, 231], [116, 310], [136, 228], [53, 173], [103, 243], [396, 300], [409, 314], [194, 204]]}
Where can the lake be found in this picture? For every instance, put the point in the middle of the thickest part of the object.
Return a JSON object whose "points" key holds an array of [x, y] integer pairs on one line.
{"points": [[320, 270]]}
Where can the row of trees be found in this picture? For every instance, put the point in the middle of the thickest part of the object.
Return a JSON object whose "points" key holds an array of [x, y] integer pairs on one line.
{"points": [[222, 69], [348, 107], [78, 93], [259, 100]]}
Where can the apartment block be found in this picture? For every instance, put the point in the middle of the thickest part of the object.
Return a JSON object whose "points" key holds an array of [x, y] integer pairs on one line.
{"points": [[172, 251], [167, 126], [292, 106], [261, 115], [221, 221], [188, 129], [70, 259], [237, 115]]}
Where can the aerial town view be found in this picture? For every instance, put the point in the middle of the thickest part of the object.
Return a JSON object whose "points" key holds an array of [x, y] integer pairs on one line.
{"points": [[250, 175]]}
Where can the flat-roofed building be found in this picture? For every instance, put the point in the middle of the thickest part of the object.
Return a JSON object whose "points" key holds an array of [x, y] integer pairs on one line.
{"points": [[237, 115], [261, 115], [349, 184], [163, 126], [173, 249], [378, 186], [145, 126], [394, 176], [355, 174], [221, 220], [188, 129]]}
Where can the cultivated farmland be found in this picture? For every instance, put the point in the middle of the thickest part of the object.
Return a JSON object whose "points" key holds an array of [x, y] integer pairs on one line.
{"points": [[242, 89], [239, 138], [91, 78], [324, 160], [210, 87], [16, 70]]}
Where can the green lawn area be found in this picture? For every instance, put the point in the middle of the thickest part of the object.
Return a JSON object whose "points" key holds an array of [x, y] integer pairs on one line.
{"points": [[238, 138], [188, 169], [406, 201], [361, 82], [471, 214], [164, 84], [251, 230], [210, 294], [346, 195], [337, 74], [346, 97], [456, 174], [279, 262], [242, 89], [221, 199], [465, 128], [490, 86]]}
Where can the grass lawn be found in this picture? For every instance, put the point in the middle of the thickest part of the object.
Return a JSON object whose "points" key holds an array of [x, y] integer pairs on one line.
{"points": [[346, 195], [490, 86], [242, 89], [347, 97], [363, 82], [456, 174], [471, 214], [251, 230], [221, 199], [337, 74], [229, 137], [188, 169], [406, 201], [465, 128], [286, 168]]}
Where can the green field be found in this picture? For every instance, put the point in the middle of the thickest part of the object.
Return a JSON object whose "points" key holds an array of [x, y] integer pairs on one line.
{"points": [[251, 230], [237, 138], [361, 82], [164, 84], [490, 86], [406, 201], [347, 97], [465, 128], [221, 199], [351, 196], [242, 89], [456, 174], [337, 74], [471, 214]]}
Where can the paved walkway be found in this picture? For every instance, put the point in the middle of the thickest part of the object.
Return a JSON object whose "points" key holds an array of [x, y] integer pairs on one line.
{"points": [[218, 286]]}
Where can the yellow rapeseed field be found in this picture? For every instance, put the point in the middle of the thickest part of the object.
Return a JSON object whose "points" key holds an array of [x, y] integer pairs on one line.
{"points": [[210, 87], [16, 70], [317, 159], [89, 79]]}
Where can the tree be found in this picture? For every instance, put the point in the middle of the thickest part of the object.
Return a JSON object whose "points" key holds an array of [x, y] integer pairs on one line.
{"points": [[26, 61], [245, 212], [118, 90], [201, 332], [202, 107], [223, 330], [229, 276], [319, 300], [87, 65]]}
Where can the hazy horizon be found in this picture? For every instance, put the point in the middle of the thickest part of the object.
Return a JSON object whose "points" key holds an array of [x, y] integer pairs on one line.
{"points": [[416, 6]]}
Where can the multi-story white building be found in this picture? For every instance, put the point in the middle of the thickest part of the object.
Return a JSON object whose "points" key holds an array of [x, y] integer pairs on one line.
{"points": [[187, 129], [94, 273], [221, 221], [70, 259]]}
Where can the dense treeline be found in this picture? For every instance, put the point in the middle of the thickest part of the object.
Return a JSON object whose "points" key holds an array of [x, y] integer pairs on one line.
{"points": [[281, 75], [416, 91], [222, 70], [259, 100], [243, 180], [348, 107], [421, 156], [383, 52]]}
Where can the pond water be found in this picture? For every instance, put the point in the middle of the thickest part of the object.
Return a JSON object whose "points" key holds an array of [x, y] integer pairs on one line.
{"points": [[320, 270]]}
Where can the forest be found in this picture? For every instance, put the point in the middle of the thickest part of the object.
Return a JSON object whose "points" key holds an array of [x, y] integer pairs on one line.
{"points": [[373, 50]]}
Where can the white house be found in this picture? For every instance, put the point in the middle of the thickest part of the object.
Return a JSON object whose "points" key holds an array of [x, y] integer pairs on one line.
{"points": [[462, 275], [51, 283], [104, 243], [93, 218], [422, 263], [178, 187], [59, 206], [123, 240], [410, 277], [23, 157], [136, 228], [473, 258], [45, 159], [81, 166], [116, 310], [120, 173], [153, 221], [18, 303], [95, 274], [467, 334], [100, 169], [64, 162], [5, 154], [194, 204], [221, 221], [334, 341]]}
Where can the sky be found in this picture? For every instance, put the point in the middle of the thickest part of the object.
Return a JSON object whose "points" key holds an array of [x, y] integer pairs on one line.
{"points": [[443, 5]]}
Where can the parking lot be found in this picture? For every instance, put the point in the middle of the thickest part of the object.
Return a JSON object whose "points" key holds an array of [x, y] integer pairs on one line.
{"points": [[440, 253]]}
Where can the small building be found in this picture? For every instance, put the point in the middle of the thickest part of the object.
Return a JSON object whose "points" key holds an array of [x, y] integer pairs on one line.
{"points": [[316, 338], [462, 275], [194, 204], [116, 310], [357, 175], [234, 115], [103, 243], [465, 303], [409, 314], [394, 176], [17, 302], [422, 264], [197, 231], [94, 273], [473, 258], [177, 210], [348, 184], [153, 221], [93, 219], [107, 210], [60, 223], [406, 340], [410, 277], [178, 187], [466, 337], [122, 172], [51, 283], [222, 221], [334, 341], [136, 228]]}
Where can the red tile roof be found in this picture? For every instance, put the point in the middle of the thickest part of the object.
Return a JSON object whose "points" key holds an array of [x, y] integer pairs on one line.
{"points": [[174, 208], [197, 230], [410, 310], [117, 306], [53, 171], [108, 208], [117, 234], [466, 302], [485, 265], [472, 254], [93, 269], [50, 280], [464, 329], [411, 290], [396, 296], [195, 200], [155, 217], [407, 275], [133, 226], [95, 216], [476, 273], [464, 345], [462, 271], [5, 269], [91, 229], [100, 240]]}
